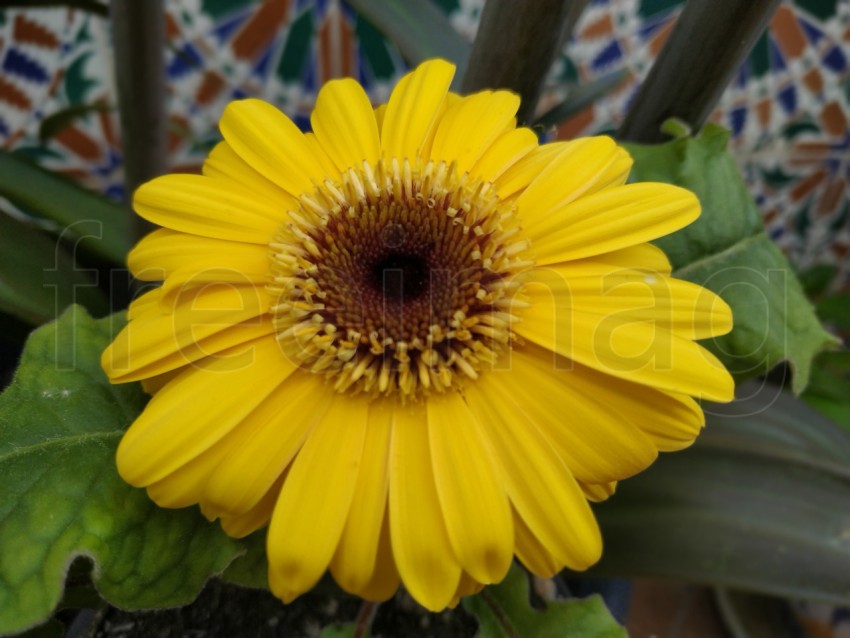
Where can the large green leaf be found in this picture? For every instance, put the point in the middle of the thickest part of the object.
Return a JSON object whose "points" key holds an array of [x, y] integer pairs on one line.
{"points": [[761, 502], [38, 278], [60, 497], [96, 223], [504, 611], [727, 250]]}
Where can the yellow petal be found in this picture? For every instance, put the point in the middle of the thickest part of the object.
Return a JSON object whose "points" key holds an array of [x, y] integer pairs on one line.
{"points": [[506, 151], [474, 503], [380, 111], [524, 171], [258, 516], [185, 485], [203, 206], [598, 492], [155, 342], [611, 219], [539, 484], [413, 108], [385, 579], [271, 144], [282, 423], [588, 287], [583, 166], [671, 421], [355, 561], [344, 124], [154, 384], [636, 351], [158, 373], [469, 127], [145, 303], [164, 252], [644, 257], [596, 439], [316, 498], [327, 164], [198, 408], [467, 586], [185, 281], [225, 165], [421, 545], [531, 552]]}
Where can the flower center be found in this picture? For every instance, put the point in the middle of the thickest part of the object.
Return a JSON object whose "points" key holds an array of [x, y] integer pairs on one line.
{"points": [[397, 279], [400, 276]]}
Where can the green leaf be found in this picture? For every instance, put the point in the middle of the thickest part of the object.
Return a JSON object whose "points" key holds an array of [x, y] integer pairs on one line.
{"points": [[749, 615], [829, 390], [348, 630], [61, 497], [96, 223], [251, 569], [50, 629], [835, 309], [38, 278], [54, 123], [504, 611], [817, 279], [419, 30], [761, 502], [727, 251]]}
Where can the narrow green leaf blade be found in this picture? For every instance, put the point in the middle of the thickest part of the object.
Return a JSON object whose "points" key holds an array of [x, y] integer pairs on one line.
{"points": [[580, 97], [60, 422], [92, 6], [419, 30], [56, 122], [38, 278], [761, 503], [504, 611], [99, 225], [727, 251]]}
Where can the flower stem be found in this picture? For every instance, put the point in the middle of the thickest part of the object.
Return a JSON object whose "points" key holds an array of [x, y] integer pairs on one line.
{"points": [[707, 46], [516, 44], [364, 619], [138, 34]]}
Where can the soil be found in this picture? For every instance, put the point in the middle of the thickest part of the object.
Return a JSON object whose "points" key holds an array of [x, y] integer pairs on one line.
{"points": [[227, 611]]}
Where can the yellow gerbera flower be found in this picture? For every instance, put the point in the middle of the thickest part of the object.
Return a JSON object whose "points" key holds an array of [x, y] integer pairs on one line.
{"points": [[415, 340]]}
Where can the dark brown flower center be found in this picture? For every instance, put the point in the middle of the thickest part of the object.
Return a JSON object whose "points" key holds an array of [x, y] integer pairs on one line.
{"points": [[397, 279], [400, 277]]}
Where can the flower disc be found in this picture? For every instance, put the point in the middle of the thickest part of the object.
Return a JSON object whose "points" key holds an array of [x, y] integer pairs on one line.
{"points": [[397, 279]]}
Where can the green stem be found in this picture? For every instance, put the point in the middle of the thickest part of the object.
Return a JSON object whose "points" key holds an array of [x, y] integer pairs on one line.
{"points": [[138, 34], [364, 619], [502, 618], [516, 44], [707, 46]]}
